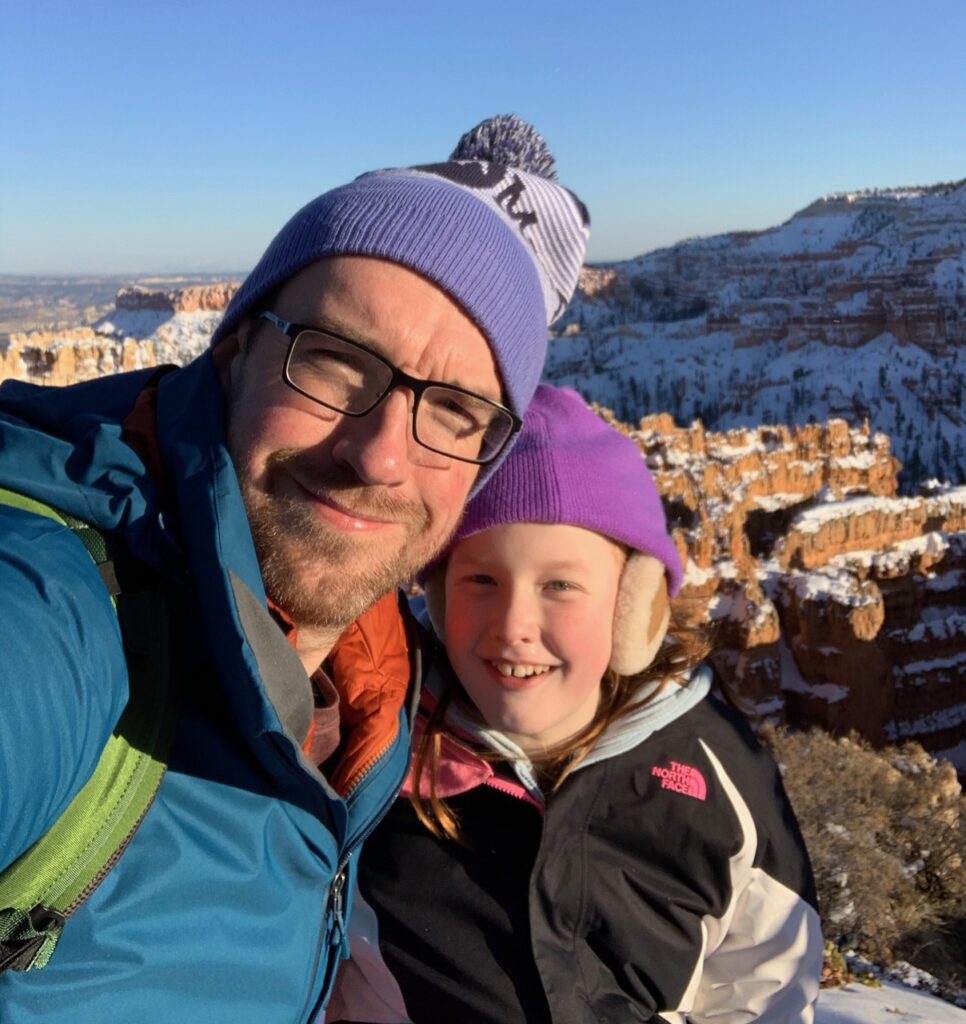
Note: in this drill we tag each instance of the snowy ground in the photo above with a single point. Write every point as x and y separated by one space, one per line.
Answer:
891 1004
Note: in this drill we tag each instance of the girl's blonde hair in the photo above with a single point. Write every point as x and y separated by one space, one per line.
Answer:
685 647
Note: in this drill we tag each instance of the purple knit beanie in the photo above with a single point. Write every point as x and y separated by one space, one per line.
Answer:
491 227
569 466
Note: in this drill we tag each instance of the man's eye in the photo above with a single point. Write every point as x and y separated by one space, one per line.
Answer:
325 359
325 353
457 415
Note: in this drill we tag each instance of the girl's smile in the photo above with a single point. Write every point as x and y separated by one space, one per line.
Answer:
507 669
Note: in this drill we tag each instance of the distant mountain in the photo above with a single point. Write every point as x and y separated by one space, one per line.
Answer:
32 302
853 308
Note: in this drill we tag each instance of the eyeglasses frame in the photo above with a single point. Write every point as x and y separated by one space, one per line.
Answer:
398 378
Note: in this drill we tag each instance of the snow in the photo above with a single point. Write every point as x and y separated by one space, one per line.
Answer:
831 583
694 575
947 502
733 451
935 721
957 661
898 558
890 1004
771 706
935 624
673 457
863 460
789 331
952 580
812 234
792 679
895 385
777 501
176 337
957 755
812 520
948 276
854 304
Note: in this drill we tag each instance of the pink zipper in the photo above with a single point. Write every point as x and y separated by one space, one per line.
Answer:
515 789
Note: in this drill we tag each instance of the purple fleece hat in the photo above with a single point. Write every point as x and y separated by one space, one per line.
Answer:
491 227
568 466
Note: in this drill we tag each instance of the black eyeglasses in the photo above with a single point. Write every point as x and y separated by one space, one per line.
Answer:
351 379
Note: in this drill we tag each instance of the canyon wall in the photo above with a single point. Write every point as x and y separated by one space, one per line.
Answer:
147 327
832 601
854 308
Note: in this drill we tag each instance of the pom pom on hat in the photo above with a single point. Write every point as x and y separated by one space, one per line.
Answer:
508 140
569 466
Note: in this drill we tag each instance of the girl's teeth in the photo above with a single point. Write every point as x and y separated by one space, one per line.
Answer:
519 671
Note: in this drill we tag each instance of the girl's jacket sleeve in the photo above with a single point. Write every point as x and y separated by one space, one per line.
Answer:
763 956
63 679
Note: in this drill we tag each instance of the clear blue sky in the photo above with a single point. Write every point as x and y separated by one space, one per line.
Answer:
141 136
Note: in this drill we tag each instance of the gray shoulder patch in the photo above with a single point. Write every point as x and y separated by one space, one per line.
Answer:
286 684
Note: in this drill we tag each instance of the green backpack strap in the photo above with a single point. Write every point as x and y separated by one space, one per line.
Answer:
46 884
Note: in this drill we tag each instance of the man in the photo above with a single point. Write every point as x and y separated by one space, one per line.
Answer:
370 372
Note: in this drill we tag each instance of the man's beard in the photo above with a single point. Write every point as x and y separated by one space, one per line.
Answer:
319 575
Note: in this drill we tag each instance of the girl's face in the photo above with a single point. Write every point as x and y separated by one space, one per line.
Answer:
529 622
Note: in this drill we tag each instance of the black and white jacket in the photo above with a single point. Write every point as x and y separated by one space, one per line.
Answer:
665 880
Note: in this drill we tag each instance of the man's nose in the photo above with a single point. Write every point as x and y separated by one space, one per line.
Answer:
377 445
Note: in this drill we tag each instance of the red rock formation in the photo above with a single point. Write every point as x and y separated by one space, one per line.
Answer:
68 357
204 297
63 357
604 283
869 525
832 601
177 300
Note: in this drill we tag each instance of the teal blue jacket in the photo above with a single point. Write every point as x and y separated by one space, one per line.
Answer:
227 904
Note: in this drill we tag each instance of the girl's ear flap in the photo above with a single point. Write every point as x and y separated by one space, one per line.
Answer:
642 615
435 590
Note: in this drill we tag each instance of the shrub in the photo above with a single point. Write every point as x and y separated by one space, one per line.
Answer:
886 832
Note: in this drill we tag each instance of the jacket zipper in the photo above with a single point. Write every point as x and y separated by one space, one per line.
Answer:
334 898
334 903
515 790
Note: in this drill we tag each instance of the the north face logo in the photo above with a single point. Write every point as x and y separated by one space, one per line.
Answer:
681 778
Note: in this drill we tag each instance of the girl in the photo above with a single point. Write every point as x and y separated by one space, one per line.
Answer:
587 835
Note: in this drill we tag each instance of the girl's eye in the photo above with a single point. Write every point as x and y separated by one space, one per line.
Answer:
559 586
480 578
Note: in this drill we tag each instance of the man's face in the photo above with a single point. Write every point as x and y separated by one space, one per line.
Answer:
343 509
